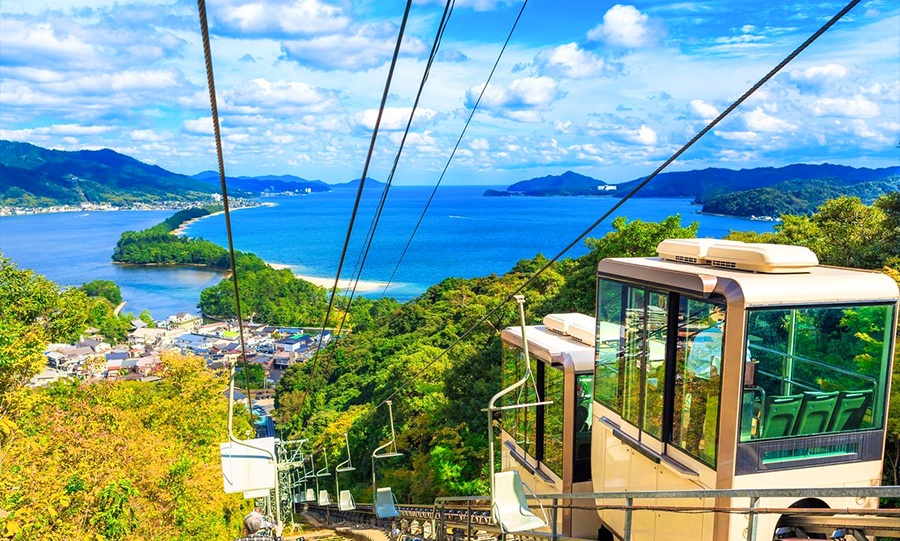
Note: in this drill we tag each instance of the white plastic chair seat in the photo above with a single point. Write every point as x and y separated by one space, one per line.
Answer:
310 495
384 503
510 508
324 498
345 501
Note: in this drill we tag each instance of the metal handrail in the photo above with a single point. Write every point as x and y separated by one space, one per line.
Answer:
816 363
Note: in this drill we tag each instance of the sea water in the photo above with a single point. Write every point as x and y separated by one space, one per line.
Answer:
463 235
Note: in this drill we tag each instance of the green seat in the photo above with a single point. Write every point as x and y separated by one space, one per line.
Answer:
849 411
780 415
815 413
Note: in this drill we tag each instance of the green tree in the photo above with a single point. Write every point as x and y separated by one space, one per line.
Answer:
103 288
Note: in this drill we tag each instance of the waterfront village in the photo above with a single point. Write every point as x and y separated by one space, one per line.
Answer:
272 348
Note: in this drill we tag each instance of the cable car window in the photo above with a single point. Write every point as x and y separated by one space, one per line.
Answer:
620 329
815 370
584 390
520 423
554 385
698 365
657 333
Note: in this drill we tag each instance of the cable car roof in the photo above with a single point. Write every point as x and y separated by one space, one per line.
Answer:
820 285
551 347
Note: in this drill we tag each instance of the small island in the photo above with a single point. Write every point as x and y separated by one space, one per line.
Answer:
566 184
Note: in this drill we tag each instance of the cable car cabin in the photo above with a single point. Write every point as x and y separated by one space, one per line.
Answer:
550 445
730 365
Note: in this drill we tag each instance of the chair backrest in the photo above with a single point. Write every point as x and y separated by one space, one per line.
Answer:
345 501
324 498
850 409
510 507
310 495
384 503
815 413
780 415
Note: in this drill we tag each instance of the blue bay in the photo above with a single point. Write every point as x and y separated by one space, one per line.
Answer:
463 235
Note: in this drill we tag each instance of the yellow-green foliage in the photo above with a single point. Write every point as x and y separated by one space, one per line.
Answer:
125 460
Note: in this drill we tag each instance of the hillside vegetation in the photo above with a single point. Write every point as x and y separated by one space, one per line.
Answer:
35 176
87 461
158 246
441 427
795 197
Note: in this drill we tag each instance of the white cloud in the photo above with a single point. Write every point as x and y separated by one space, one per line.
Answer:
742 136
569 61
861 129
759 120
523 116
39 46
743 38
562 127
394 118
856 107
818 77
702 110
480 144
149 136
201 126
530 92
55 129
368 46
642 136
625 26
279 97
297 17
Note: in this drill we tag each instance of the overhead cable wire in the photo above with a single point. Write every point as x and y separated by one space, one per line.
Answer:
364 252
211 83
359 192
455 147
774 71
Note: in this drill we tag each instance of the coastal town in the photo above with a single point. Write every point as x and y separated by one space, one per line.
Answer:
271 348
214 199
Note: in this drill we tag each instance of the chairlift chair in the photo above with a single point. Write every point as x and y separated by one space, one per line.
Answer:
345 499
385 501
509 505
324 498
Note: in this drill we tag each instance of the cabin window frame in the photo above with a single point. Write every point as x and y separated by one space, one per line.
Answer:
674 298
887 368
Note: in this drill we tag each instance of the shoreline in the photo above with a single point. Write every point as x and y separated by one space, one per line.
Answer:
182 229
365 286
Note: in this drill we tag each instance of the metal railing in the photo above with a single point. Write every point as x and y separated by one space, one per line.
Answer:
753 510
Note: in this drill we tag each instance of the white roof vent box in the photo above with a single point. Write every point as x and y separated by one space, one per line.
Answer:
579 326
731 254
689 250
766 258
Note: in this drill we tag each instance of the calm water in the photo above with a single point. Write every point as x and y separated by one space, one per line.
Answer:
464 235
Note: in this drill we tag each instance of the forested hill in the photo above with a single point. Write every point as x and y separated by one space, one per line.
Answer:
795 197
265 183
568 183
704 184
35 176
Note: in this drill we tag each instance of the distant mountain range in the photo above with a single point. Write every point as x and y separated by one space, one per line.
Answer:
763 191
35 176
266 183
31 176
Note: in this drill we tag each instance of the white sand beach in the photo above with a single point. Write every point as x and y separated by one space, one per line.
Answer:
364 286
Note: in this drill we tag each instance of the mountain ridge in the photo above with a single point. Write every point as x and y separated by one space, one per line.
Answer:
34 176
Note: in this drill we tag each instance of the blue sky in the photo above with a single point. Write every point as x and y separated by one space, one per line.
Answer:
608 90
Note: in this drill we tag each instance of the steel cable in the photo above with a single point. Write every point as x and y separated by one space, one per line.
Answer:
362 181
774 71
210 79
